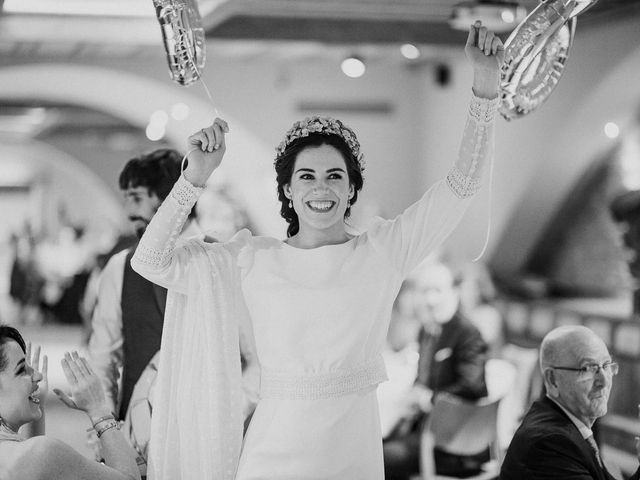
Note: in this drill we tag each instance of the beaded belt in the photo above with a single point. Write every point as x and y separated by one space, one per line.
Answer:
322 385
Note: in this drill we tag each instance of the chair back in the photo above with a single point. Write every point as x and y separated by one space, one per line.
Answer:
500 376
462 427
459 427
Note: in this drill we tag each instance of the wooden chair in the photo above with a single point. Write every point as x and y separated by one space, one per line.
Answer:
463 428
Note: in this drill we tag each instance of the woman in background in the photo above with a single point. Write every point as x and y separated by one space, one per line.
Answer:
23 390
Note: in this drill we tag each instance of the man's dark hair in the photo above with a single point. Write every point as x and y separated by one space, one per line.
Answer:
157 171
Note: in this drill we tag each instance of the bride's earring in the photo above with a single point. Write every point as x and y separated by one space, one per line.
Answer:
290 204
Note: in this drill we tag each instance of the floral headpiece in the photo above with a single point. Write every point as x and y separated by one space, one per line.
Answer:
323 126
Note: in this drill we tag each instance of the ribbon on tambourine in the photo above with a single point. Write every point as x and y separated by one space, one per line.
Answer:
535 55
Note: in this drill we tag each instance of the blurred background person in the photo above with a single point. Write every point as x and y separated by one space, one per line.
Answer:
477 303
220 214
26 282
90 297
452 357
64 261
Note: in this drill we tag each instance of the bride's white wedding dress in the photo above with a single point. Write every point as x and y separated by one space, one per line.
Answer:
319 319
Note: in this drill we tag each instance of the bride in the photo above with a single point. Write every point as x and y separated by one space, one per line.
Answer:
316 305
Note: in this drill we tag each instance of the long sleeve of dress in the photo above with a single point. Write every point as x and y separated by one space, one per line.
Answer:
422 227
157 258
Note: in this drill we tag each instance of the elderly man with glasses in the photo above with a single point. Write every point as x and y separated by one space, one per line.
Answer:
555 438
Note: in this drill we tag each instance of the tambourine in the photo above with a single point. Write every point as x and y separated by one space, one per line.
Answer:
184 38
536 53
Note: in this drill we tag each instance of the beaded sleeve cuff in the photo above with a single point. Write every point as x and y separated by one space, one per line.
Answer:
185 193
483 110
162 233
462 185
150 256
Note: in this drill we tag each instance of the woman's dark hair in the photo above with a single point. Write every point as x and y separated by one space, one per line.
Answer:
8 334
285 164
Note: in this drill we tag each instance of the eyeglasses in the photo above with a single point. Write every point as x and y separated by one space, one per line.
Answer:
592 369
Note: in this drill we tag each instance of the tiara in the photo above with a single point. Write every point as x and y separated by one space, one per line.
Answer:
323 126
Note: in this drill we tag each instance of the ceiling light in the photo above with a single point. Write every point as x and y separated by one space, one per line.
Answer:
611 130
410 51
507 16
159 117
155 131
498 16
353 67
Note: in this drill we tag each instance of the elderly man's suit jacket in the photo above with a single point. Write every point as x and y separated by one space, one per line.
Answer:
547 445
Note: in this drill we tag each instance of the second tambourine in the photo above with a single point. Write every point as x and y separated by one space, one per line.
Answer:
536 53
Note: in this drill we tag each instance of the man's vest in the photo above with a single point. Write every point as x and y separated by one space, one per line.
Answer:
142 305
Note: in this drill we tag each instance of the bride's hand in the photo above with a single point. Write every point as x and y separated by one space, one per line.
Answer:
207 147
485 51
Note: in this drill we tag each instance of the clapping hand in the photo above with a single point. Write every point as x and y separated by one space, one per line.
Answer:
206 149
86 392
33 361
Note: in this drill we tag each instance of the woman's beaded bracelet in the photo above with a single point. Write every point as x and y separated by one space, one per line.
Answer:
102 419
111 424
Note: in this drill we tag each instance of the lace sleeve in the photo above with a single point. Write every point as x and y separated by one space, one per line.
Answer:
464 178
154 256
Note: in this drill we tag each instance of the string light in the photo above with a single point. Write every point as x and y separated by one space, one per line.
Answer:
410 51
157 125
353 67
155 131
611 130
160 117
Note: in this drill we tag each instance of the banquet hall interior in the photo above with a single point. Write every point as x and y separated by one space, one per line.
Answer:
85 86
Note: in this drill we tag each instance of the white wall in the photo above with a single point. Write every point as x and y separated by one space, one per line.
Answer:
540 158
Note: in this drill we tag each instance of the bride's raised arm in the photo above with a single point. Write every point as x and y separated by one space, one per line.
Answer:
156 258
423 226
